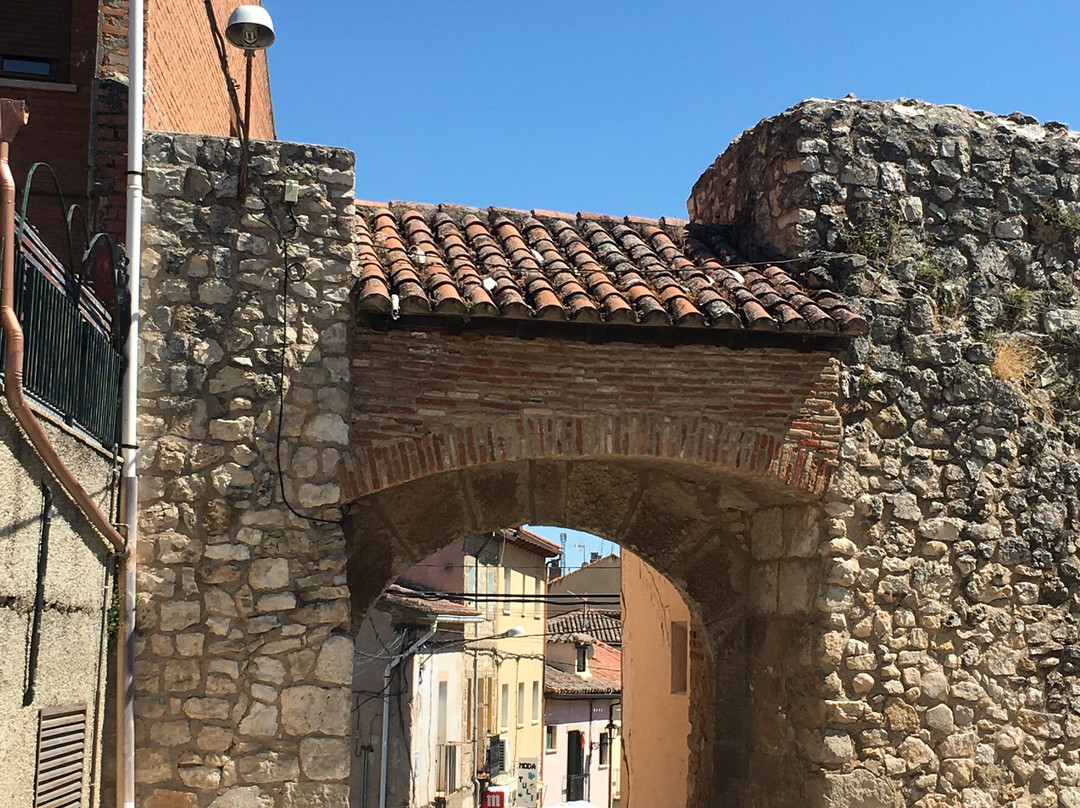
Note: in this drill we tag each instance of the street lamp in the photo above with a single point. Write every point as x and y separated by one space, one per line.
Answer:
250 28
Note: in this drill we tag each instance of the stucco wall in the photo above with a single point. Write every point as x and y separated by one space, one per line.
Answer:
590 717
598 578
71 666
656 721
523 659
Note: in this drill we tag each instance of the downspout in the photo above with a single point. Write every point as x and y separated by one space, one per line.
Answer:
13 114
387 672
129 490
476 680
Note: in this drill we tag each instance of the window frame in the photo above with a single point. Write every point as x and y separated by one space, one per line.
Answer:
551 738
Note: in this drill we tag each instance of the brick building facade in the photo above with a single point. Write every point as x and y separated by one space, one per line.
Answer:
69 62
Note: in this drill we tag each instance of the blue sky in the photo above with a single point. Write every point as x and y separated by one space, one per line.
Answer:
617 107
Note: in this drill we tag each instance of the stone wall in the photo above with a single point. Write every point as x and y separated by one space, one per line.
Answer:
244 657
952 583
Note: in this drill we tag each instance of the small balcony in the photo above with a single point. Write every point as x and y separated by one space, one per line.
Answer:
74 324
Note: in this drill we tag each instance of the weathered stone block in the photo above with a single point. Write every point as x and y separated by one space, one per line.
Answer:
177 616
307 710
243 797
261 721
335 662
269 573
324 758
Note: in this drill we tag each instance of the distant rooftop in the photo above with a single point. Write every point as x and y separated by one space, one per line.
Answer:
597 624
605 679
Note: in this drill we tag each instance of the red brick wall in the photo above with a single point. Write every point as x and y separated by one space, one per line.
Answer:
83 134
59 130
426 402
187 90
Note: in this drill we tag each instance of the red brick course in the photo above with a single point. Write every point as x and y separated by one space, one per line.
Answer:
425 403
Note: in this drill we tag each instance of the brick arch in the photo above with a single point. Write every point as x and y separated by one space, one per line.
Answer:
694 522
787 457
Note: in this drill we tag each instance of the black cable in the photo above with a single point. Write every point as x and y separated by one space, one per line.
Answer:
281 383
223 59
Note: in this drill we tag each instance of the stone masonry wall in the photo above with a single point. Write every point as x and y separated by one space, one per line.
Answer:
243 652
952 582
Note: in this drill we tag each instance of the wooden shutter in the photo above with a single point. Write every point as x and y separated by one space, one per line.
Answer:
61 749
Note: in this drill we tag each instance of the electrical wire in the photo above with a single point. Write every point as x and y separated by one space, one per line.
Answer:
281 374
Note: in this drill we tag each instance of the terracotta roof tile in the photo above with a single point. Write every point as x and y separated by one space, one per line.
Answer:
602 625
413 602
544 265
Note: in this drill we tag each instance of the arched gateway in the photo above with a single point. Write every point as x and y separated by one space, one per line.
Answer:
702 457
629 378
878 535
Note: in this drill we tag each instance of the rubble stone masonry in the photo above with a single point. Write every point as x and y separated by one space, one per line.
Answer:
952 582
244 660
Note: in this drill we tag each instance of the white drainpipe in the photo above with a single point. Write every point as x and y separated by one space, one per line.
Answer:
125 791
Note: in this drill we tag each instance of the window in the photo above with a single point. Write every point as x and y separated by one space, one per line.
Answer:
485 714
470 709
506 590
504 711
549 738
35 42
536 703
605 748
581 662
679 648
61 744
520 704
538 594
496 756
440 721
446 773
491 590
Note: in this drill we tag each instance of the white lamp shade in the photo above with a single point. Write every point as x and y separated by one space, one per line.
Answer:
250 28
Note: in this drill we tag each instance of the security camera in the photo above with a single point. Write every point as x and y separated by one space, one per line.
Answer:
250 28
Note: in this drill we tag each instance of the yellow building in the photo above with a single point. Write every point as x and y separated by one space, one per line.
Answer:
503 576
513 582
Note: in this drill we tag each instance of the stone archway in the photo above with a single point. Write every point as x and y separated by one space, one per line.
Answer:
703 449
730 542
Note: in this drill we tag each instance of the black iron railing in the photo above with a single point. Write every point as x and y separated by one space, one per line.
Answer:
576 786
73 361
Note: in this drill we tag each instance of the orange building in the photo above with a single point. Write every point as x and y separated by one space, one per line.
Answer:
657 659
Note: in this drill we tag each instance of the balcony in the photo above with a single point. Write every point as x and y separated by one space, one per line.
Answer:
74 328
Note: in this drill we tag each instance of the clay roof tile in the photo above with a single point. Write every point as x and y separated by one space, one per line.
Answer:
588 267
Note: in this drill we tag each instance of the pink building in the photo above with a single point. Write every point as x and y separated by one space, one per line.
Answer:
582 691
